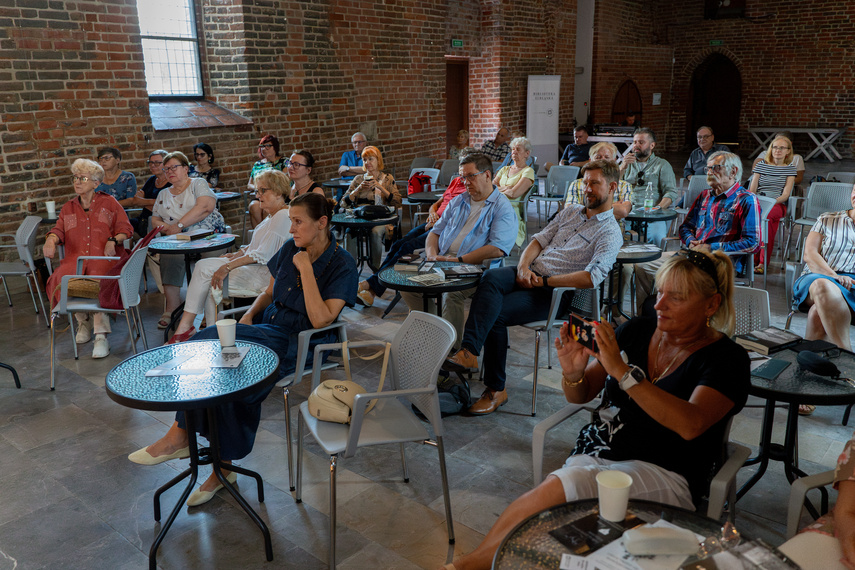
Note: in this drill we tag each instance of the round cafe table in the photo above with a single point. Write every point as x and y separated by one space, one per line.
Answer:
639 219
361 230
128 385
400 281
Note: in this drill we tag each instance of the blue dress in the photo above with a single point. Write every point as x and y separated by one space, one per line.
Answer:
335 272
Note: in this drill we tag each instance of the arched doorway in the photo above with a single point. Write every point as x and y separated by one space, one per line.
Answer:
627 104
715 99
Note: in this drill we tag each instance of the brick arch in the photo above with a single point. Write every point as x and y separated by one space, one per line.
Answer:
689 68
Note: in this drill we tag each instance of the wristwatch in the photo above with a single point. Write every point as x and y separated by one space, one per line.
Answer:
632 377
113 239
180 226
545 281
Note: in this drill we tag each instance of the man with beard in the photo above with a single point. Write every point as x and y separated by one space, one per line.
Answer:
576 249
641 167
725 217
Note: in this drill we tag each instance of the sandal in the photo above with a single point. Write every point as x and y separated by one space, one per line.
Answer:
758 270
164 321
806 409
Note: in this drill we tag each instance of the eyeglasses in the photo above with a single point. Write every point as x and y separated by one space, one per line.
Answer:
714 168
198 154
75 179
294 164
105 157
471 177
261 190
357 143
702 137
265 146
156 163
780 148
172 168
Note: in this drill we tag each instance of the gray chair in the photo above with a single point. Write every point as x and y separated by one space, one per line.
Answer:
432 172
585 303
421 162
722 486
418 351
557 182
821 197
766 205
845 177
798 494
697 184
449 169
129 289
25 243
752 309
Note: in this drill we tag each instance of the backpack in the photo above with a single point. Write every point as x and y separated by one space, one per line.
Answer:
419 182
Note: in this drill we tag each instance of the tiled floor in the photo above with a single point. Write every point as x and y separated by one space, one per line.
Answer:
71 499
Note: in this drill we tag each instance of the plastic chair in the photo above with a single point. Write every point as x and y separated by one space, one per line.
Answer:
821 197
421 162
419 348
845 177
25 243
557 182
129 289
697 184
798 493
722 486
585 303
448 171
752 309
432 172
304 339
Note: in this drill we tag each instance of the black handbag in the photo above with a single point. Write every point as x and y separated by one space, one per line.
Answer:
371 212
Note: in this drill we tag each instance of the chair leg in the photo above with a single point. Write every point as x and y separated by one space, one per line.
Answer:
332 511
41 300
404 463
289 440
537 334
52 351
299 490
141 327
32 296
445 492
131 331
6 288
73 335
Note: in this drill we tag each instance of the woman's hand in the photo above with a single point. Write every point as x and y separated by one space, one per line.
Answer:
609 351
572 355
219 276
246 319
110 249
845 281
302 261
431 220
49 249
170 230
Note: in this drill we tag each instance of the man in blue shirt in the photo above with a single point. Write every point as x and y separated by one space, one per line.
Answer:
351 160
698 159
576 154
478 224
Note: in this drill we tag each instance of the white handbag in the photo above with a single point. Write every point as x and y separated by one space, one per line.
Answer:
332 400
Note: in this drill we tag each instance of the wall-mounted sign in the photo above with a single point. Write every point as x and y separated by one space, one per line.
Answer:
456 43
716 42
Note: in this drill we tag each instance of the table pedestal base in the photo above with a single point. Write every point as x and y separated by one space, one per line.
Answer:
213 458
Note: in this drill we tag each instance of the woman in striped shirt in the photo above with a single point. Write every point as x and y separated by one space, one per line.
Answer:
826 284
774 176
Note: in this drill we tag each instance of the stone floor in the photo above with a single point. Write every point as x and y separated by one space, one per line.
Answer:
71 499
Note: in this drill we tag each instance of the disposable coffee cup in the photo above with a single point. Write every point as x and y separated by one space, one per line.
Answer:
50 205
613 491
226 330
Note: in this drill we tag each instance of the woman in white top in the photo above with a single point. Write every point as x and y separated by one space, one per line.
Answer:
774 176
189 204
515 180
246 268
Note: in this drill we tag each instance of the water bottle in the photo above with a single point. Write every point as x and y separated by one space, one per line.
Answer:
649 198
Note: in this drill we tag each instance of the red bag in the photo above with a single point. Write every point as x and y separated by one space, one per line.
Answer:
419 182
109 295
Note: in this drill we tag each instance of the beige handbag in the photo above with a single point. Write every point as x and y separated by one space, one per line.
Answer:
332 400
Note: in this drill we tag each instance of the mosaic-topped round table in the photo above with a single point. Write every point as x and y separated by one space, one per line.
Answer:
400 281
128 385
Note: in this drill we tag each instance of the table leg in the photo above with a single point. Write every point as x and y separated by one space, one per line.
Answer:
764 453
790 459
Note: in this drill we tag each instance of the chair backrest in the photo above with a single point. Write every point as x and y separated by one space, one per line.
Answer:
449 168
752 309
25 240
130 277
556 178
418 351
496 167
825 197
586 303
697 185
845 177
432 172
766 205
422 162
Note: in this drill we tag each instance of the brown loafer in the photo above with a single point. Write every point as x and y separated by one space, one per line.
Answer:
489 402
461 362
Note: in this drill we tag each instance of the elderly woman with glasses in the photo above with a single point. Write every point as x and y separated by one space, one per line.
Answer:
269 158
670 385
147 195
246 268
515 180
188 204
774 176
118 183
92 223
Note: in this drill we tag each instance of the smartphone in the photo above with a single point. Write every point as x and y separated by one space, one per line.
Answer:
582 332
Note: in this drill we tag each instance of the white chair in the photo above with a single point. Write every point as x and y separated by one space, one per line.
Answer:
129 289
585 303
418 351
722 486
449 170
752 309
798 493
25 243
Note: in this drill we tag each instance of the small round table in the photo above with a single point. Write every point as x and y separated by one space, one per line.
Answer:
338 186
639 219
400 281
227 197
425 197
361 230
623 258
128 385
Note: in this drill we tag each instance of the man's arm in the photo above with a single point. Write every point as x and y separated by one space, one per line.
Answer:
431 246
750 235
484 252
667 185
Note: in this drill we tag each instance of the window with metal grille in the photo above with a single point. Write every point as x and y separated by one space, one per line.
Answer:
170 48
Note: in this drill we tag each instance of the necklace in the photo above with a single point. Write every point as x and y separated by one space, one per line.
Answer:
673 360
300 281
300 190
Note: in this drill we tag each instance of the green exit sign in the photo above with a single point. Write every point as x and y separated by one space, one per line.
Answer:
716 42
456 43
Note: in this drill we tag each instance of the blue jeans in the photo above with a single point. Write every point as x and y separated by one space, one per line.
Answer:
499 303
414 240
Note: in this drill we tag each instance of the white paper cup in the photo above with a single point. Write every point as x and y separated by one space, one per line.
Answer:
51 208
226 330
613 490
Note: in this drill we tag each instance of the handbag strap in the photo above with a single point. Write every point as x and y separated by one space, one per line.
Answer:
345 353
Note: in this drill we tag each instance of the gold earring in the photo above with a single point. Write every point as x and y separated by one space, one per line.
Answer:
708 320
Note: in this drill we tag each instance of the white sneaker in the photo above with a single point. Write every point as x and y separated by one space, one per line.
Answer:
102 347
84 332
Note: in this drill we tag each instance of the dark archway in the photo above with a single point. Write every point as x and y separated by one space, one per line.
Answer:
715 99
627 103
